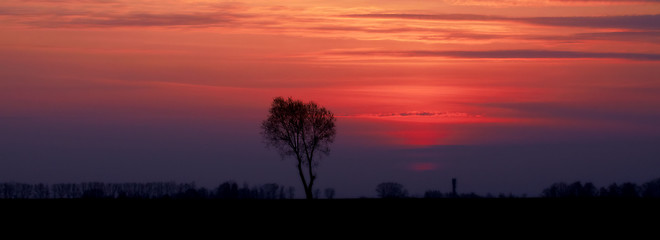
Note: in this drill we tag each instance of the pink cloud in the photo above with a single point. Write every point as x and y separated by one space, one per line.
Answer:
423 166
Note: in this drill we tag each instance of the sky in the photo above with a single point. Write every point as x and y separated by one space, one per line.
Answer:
506 96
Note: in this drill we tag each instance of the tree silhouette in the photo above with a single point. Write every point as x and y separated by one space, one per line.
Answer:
329 193
651 189
227 190
391 190
301 130
433 194
629 190
270 190
573 190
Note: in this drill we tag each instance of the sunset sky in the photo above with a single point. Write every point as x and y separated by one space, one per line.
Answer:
507 96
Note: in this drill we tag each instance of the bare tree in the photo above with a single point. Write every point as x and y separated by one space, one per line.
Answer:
301 130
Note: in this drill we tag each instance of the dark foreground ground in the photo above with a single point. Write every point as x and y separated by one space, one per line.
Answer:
334 206
336 218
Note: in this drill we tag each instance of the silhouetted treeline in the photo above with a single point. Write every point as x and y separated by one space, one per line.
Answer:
394 190
439 194
231 190
153 190
650 189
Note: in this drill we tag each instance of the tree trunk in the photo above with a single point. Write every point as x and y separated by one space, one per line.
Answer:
307 188
308 193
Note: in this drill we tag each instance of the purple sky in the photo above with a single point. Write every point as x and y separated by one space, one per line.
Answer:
507 96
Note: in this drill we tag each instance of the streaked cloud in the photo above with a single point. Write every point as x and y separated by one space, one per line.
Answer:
609 1
506 54
443 17
144 19
428 114
646 22
649 22
109 13
72 1
500 3
639 36
447 34
423 117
